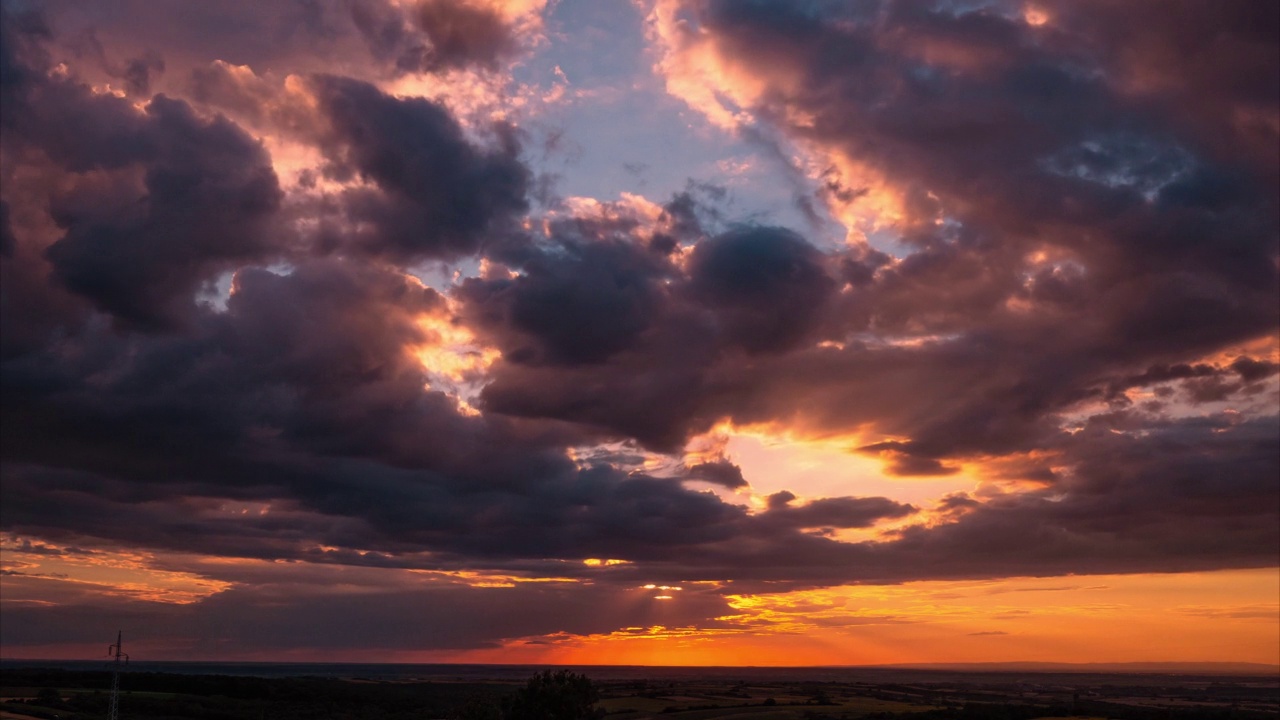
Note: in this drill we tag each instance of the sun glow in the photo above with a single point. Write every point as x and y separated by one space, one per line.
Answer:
1225 615
1035 16
775 458
452 352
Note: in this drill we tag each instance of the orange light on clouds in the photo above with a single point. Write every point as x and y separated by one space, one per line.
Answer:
714 81
452 356
773 459
1035 16
478 579
133 574
860 197
1220 616
695 71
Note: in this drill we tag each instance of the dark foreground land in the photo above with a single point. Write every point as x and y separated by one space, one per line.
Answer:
750 695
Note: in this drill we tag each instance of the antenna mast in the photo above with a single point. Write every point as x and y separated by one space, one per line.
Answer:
118 654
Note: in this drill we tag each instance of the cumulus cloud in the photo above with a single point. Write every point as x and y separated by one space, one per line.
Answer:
437 194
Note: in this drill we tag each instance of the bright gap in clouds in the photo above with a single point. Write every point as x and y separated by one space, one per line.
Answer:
829 468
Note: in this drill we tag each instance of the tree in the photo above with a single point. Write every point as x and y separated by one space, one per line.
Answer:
559 695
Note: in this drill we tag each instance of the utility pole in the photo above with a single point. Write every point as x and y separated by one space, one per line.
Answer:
115 651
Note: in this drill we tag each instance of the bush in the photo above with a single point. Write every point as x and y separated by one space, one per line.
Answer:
559 695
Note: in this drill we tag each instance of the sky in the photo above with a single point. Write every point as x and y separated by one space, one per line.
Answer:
673 332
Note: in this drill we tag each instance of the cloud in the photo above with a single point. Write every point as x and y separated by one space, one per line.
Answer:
375 38
1071 299
903 463
1042 212
836 512
157 201
580 302
439 194
764 286
388 614
435 35
206 204
720 472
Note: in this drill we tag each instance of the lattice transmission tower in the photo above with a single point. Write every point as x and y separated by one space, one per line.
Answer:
118 653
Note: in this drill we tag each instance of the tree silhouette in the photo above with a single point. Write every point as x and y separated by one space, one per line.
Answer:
559 695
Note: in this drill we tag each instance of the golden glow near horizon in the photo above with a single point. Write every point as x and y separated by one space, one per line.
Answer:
1229 615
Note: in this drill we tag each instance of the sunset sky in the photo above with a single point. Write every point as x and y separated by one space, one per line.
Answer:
668 332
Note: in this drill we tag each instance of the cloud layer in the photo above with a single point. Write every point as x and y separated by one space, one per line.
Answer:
221 335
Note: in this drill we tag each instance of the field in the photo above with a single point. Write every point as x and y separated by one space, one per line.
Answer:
756 701
754 695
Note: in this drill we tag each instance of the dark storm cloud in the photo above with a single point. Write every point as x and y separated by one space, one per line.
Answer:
415 183
440 195
720 472
836 512
606 330
764 286
580 302
160 200
301 372
208 196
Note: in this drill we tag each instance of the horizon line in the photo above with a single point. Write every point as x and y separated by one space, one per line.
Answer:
1047 666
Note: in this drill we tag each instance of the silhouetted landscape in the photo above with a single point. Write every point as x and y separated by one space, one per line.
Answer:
638 693
601 347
